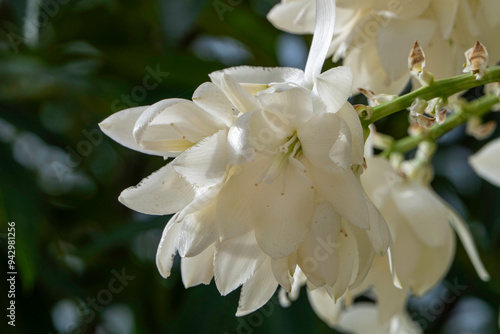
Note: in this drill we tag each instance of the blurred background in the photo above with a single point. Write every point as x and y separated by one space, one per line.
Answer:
85 263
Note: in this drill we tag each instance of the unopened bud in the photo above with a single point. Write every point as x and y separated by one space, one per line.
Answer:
425 121
376 99
435 105
418 107
416 61
416 64
441 115
479 130
477 60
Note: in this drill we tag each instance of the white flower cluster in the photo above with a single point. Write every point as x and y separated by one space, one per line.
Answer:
264 180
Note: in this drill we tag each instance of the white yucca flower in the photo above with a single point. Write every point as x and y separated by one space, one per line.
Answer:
423 241
375 36
264 180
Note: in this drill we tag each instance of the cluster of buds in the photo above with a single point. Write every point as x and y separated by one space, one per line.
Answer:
477 60
424 115
416 64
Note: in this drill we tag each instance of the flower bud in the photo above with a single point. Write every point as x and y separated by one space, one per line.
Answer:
479 130
434 106
425 121
376 99
477 60
441 115
418 107
416 64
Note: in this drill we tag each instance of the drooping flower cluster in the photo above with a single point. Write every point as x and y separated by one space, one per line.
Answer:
264 180
374 36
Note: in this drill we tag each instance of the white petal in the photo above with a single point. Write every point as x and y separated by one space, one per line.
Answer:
390 299
368 72
334 87
235 204
163 192
211 99
365 255
242 100
281 273
204 164
257 290
318 254
402 33
324 306
378 233
296 17
344 192
175 119
446 12
433 265
198 232
259 75
239 144
292 104
255 130
325 142
379 180
406 251
168 247
323 34
199 269
204 197
283 212
120 127
486 162
235 261
442 58
423 210
348 255
362 318
350 116
465 236
490 9
403 8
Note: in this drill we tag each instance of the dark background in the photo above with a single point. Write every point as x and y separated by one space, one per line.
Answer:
60 177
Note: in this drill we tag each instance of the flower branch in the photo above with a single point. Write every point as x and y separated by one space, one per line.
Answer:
475 108
440 88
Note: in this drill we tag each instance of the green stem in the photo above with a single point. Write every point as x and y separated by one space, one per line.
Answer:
476 108
441 88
